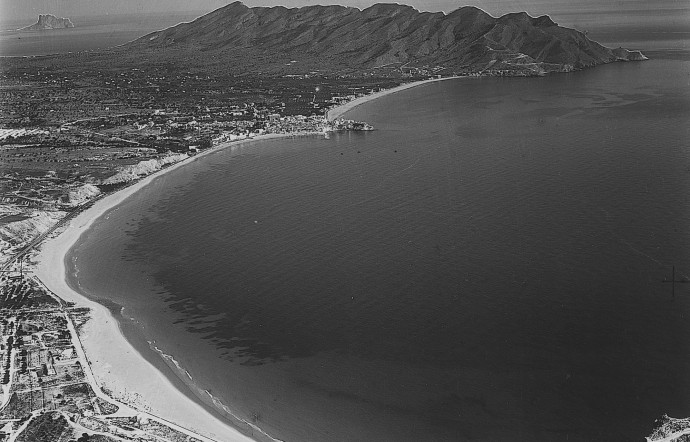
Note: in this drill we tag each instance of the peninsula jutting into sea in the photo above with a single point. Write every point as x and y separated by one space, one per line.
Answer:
333 223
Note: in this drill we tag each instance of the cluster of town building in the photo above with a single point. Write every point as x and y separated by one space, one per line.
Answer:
45 393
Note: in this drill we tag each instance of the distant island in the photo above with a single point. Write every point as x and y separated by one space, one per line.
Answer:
48 21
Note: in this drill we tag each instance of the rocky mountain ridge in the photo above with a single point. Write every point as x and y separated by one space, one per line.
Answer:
467 40
47 22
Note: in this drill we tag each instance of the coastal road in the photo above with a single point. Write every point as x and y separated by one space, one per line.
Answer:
86 366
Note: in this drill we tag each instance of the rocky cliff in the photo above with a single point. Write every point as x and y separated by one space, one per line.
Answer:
133 172
47 21
14 235
331 37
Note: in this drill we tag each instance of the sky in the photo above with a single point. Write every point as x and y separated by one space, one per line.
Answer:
29 9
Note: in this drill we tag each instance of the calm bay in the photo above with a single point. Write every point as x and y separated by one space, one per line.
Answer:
486 265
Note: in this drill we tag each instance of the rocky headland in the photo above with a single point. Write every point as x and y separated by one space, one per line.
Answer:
668 429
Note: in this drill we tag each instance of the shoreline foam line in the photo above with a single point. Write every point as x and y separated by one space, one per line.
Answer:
116 363
339 111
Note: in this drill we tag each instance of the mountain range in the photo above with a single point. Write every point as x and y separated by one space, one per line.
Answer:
331 38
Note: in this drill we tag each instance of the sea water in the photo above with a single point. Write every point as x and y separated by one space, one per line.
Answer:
486 265
90 33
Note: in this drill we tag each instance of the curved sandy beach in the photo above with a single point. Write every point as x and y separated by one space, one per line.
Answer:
339 111
118 366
